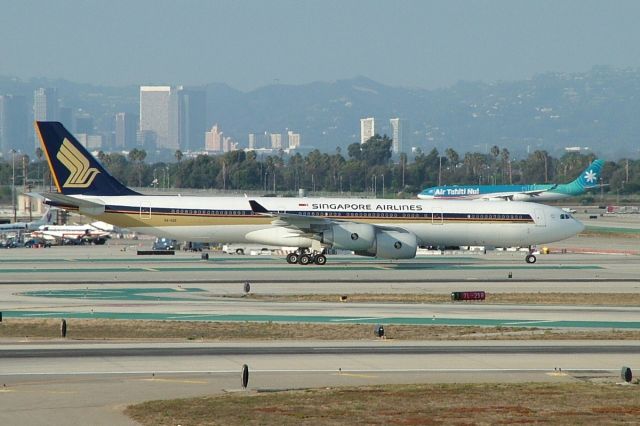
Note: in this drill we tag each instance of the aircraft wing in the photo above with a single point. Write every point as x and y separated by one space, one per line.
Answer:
508 196
306 224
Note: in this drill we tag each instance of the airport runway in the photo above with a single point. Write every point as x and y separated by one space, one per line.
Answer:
71 382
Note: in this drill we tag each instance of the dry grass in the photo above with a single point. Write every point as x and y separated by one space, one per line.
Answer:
102 329
600 299
469 404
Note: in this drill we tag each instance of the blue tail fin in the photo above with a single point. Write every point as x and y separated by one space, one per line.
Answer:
590 177
74 169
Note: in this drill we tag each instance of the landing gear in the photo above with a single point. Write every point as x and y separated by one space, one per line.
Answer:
292 258
304 256
531 258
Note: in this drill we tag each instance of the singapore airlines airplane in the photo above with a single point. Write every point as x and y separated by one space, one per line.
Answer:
386 229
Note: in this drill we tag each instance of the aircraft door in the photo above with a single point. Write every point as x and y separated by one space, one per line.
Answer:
145 210
539 218
436 216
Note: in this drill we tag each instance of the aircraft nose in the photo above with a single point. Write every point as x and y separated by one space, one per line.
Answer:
579 226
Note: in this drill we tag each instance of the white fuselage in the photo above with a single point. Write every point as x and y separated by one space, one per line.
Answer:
434 222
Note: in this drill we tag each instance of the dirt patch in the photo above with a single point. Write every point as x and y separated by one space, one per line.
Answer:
574 403
103 329
597 299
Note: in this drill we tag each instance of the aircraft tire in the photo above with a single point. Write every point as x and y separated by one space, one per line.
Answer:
239 251
530 258
321 259
292 258
305 259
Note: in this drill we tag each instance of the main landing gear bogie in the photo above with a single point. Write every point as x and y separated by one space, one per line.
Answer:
304 257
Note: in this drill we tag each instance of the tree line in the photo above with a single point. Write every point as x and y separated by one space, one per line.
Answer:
366 168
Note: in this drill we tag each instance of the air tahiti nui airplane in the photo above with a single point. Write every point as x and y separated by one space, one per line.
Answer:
588 179
386 229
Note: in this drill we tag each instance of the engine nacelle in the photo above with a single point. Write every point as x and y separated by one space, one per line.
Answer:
350 236
396 245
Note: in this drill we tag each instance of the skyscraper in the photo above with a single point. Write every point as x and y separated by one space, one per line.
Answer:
276 140
367 129
294 140
191 117
158 118
45 106
252 141
14 124
213 139
126 129
399 132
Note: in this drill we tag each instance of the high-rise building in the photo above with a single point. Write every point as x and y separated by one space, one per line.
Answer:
45 106
252 141
213 139
158 117
191 117
126 130
276 140
399 133
367 129
14 124
172 116
294 140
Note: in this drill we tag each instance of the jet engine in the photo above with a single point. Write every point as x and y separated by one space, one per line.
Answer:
367 240
350 236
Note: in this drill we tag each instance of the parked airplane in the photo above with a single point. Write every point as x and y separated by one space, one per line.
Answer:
388 229
588 179
47 218
75 234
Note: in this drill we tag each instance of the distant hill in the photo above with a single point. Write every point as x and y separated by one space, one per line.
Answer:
599 109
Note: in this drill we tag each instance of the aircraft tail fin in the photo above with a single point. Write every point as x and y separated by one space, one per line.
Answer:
74 169
588 179
46 219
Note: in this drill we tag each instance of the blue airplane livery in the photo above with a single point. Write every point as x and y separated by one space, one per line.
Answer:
588 179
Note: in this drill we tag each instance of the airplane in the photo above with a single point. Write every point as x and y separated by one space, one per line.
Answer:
75 234
381 228
588 179
47 218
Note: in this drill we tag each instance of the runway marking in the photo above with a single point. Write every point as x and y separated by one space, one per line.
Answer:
6 390
356 319
191 382
150 269
557 374
361 376
193 316
44 314
527 322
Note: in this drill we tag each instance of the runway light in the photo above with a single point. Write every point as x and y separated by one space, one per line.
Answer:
342 299
247 287
245 376
379 331
63 328
626 374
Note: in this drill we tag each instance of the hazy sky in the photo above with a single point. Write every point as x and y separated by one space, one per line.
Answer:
248 44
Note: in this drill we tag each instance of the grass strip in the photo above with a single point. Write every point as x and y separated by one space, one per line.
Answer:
103 329
570 404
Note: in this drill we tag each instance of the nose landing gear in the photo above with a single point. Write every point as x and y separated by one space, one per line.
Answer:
304 256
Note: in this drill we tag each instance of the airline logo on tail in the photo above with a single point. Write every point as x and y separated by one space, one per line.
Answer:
590 176
80 174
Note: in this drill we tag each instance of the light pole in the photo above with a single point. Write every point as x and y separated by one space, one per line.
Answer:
13 184
382 185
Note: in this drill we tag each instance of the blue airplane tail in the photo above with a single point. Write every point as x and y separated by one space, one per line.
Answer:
74 169
589 178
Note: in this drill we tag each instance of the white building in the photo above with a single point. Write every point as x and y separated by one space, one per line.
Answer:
294 140
399 133
159 116
367 129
